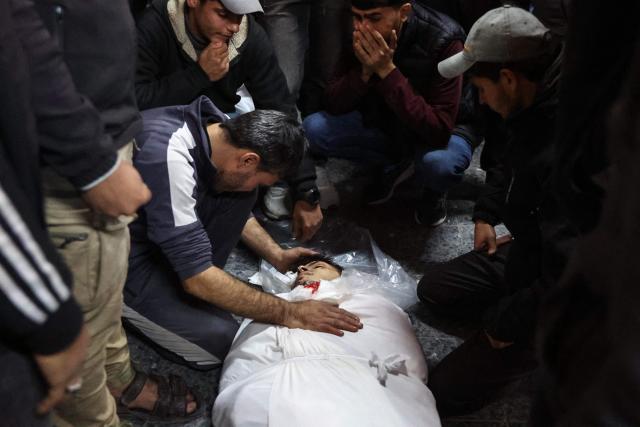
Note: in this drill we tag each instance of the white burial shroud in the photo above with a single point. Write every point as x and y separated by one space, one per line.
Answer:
280 377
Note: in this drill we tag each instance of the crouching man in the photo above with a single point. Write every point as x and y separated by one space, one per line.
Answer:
203 171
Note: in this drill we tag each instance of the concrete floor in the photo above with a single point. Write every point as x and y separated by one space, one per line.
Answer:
393 228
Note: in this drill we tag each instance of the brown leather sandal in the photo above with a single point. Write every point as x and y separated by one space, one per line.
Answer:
171 406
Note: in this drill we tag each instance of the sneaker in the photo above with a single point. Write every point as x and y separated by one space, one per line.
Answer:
432 209
276 203
385 182
328 193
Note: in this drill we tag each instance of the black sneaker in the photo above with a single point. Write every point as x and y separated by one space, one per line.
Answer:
386 181
432 209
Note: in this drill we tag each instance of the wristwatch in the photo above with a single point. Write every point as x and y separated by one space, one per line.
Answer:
311 196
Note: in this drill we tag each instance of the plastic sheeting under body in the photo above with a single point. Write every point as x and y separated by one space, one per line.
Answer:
275 376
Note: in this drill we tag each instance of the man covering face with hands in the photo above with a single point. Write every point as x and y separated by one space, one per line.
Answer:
388 107
375 38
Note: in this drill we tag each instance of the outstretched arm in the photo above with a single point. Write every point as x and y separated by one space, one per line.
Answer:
259 241
219 288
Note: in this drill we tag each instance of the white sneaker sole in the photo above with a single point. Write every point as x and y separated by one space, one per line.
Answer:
433 224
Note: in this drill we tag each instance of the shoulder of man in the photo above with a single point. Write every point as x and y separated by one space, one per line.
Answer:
431 26
155 20
163 124
256 37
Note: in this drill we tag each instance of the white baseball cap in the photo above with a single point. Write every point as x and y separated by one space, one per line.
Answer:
505 34
242 7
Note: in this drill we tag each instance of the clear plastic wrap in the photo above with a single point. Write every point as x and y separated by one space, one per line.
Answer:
366 266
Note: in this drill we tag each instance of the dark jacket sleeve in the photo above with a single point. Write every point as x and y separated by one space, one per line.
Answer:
346 88
152 88
37 309
265 80
431 114
513 318
492 196
305 177
72 137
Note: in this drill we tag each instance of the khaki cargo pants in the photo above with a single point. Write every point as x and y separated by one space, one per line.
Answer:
96 249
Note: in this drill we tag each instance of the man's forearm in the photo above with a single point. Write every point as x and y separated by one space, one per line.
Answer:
259 241
228 293
217 287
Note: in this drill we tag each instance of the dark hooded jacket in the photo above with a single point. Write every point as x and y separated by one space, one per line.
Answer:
97 41
38 315
168 72
518 192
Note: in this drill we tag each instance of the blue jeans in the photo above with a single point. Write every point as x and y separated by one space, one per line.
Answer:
346 137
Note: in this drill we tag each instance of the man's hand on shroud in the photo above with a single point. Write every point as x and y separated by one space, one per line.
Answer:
321 317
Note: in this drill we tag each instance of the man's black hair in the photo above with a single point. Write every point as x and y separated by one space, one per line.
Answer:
372 4
533 69
275 136
315 258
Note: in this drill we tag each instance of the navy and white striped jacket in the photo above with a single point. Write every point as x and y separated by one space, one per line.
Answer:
174 159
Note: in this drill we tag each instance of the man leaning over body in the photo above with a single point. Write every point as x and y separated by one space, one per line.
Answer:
188 48
203 171
509 56
388 106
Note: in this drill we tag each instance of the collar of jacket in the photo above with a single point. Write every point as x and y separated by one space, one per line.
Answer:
546 99
175 10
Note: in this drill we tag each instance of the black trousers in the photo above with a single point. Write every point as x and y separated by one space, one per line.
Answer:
472 374
184 328
21 389
467 285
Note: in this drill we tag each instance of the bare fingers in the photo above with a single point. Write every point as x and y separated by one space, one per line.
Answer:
344 320
394 40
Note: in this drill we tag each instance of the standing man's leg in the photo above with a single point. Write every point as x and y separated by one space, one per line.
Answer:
96 250
437 172
286 23
329 30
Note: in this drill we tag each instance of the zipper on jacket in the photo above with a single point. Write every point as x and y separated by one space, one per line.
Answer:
513 177
58 18
69 238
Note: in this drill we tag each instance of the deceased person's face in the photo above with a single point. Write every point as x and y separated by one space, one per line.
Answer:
315 271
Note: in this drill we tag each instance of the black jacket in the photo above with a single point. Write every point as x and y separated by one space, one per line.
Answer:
518 193
168 73
73 139
97 40
48 321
